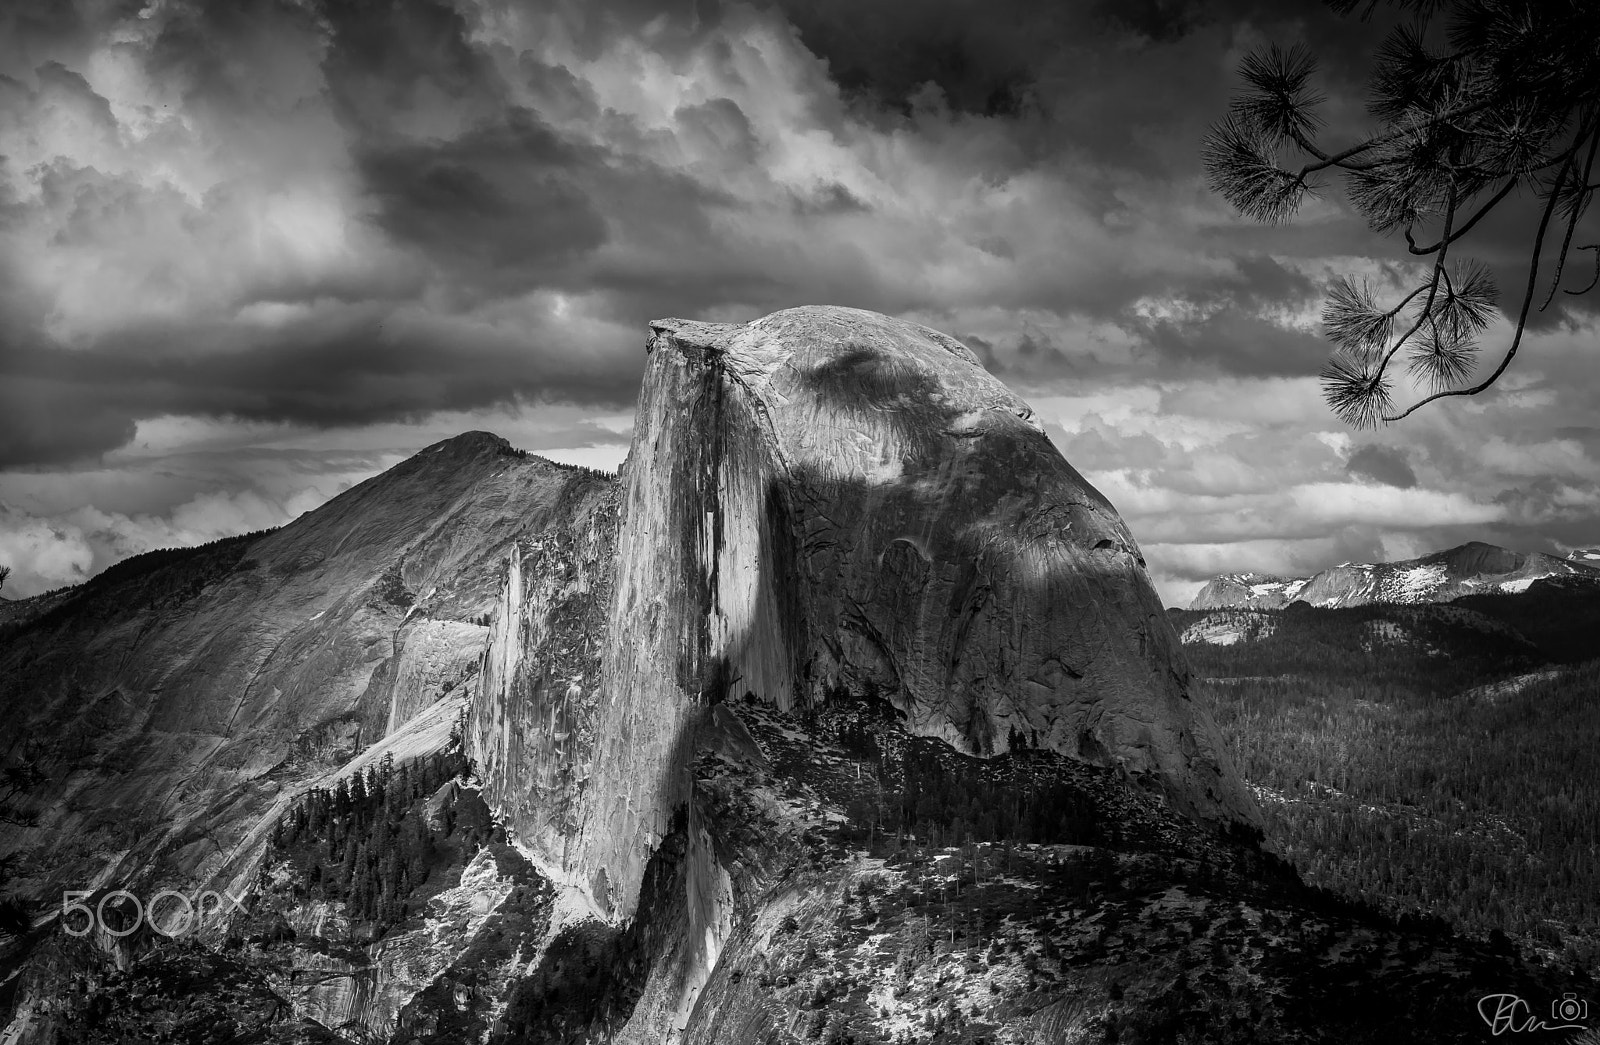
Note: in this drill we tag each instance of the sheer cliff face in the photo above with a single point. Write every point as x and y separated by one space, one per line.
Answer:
880 514
536 711
830 500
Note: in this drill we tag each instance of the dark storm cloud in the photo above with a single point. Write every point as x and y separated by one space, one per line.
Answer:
484 197
1262 282
32 28
1229 340
1155 19
1230 323
505 198
986 60
54 422
885 53
235 58
57 407
625 160
1031 347
1376 463
984 351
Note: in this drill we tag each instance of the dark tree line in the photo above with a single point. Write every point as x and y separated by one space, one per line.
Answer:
959 802
948 799
17 781
364 842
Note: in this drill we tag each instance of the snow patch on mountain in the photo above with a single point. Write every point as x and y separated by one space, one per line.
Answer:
1419 579
1470 569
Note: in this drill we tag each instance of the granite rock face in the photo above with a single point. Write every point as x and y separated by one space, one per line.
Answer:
1255 591
175 709
822 507
873 511
823 501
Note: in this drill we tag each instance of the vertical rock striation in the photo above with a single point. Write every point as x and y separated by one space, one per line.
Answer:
890 518
825 500
534 718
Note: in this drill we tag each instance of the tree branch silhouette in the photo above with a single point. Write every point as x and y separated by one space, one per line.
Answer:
1476 99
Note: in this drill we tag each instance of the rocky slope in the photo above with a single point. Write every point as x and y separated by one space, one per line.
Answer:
177 703
1473 568
172 708
844 620
878 886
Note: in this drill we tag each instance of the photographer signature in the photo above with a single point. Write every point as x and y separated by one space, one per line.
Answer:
1509 1014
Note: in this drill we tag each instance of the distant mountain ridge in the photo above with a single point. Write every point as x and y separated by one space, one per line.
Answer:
1471 569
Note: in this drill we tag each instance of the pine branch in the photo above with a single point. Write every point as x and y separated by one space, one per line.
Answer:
1505 190
1512 97
1577 207
1443 357
1282 103
1432 286
1596 280
1242 166
1522 317
1355 391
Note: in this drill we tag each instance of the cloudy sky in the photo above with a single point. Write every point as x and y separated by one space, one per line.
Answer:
252 252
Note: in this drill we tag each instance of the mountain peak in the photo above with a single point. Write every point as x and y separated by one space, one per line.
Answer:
467 442
1467 569
1480 557
857 511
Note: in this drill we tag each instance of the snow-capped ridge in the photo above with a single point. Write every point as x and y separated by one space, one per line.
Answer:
1469 569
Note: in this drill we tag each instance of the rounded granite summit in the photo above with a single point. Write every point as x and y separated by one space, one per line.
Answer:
876 512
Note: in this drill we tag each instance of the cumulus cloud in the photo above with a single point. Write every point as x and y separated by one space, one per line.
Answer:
182 481
1376 463
336 224
71 547
1270 485
454 200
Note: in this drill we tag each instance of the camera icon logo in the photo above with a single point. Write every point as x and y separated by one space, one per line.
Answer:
1569 1008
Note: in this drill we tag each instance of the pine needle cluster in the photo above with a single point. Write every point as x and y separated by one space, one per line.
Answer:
1476 102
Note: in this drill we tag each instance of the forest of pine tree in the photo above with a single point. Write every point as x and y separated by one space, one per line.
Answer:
1400 777
365 843
945 798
